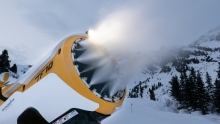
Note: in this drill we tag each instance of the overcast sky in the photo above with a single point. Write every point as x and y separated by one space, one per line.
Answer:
29 29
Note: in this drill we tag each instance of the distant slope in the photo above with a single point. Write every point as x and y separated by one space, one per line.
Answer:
202 55
210 39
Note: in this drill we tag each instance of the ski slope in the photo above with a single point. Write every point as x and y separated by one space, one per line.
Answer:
145 111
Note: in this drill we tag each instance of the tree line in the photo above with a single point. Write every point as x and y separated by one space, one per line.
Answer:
5 63
194 94
138 90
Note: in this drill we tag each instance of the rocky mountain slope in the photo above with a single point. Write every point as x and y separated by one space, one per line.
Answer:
203 55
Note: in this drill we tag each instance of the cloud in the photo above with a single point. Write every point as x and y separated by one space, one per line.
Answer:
39 25
148 25
19 37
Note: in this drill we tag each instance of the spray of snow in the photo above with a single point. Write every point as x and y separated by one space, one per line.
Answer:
123 32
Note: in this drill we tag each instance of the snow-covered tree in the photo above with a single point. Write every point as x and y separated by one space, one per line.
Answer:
218 71
4 61
152 95
201 93
209 87
175 88
217 95
192 95
14 68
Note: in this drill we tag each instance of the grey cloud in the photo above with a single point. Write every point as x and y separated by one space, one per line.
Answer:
168 22
49 22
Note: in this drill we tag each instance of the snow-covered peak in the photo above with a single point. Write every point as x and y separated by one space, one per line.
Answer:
210 39
217 29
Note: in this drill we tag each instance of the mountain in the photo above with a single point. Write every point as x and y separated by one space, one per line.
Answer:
203 55
210 40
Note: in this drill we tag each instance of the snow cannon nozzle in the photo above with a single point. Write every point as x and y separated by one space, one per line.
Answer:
98 70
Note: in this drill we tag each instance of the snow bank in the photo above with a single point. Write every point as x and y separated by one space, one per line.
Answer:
145 111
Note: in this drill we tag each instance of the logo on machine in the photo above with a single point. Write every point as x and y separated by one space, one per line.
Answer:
8 105
66 117
45 70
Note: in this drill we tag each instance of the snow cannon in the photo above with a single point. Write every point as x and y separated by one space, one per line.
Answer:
77 82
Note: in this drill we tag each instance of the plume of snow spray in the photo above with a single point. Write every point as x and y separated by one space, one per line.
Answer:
123 32
117 33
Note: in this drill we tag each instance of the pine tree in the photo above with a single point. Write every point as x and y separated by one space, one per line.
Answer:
152 95
187 90
4 62
141 89
218 71
14 68
217 95
175 88
209 87
192 89
201 92
182 90
188 94
129 94
193 74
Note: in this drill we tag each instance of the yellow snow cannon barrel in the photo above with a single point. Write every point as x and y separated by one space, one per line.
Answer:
75 74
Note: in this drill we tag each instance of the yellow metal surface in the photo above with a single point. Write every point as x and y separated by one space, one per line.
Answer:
5 78
1 83
62 65
3 90
1 102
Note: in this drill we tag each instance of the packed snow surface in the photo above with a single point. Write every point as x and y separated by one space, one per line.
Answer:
145 111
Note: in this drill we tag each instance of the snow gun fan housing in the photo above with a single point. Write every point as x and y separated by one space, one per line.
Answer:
77 82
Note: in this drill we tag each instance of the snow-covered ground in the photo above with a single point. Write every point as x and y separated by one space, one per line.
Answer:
145 111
